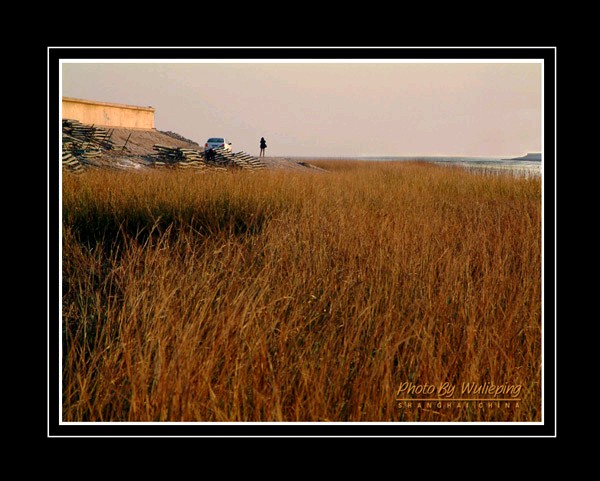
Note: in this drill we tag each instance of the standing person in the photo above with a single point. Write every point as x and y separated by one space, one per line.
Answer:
263 146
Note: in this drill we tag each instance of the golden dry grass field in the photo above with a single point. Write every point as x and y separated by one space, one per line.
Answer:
282 296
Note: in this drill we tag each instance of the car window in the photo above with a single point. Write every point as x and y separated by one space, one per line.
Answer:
216 139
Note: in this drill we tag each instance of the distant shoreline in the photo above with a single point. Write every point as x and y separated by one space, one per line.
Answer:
431 158
532 156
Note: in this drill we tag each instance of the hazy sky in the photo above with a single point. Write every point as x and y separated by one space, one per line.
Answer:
329 108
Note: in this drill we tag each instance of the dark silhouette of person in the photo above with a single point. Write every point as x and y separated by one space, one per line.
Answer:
263 146
210 155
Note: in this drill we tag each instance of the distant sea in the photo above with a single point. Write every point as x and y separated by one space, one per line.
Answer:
488 164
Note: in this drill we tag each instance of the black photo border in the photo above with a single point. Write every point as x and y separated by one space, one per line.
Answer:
548 428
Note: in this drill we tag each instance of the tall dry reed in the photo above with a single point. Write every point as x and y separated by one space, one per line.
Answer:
299 297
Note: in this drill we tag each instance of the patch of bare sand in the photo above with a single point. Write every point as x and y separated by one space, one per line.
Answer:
140 142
